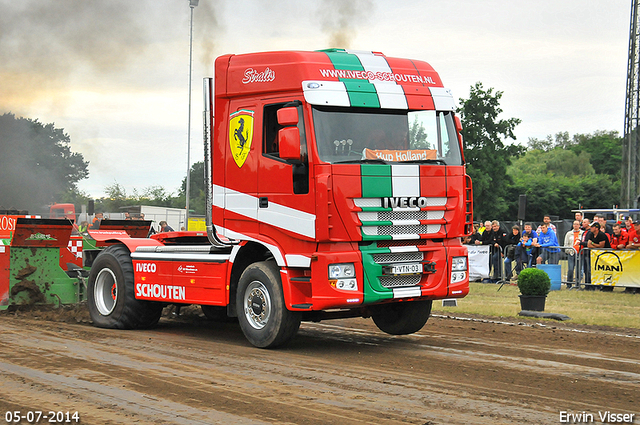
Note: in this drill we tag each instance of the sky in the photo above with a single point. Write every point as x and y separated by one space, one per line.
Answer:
114 74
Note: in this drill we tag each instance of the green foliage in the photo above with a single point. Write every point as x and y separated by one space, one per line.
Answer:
534 282
486 153
418 135
38 167
562 174
605 148
196 190
117 198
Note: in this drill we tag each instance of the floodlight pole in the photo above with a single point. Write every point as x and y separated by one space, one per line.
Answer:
192 5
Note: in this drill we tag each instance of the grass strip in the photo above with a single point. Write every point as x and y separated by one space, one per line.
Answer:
617 308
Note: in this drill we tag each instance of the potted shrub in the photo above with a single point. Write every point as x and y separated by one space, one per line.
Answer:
534 286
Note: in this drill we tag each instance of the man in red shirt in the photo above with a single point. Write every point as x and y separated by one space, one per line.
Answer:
619 239
634 236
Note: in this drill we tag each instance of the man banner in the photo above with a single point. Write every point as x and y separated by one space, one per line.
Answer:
615 268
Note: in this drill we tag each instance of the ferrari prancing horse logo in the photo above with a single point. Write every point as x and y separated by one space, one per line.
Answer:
240 135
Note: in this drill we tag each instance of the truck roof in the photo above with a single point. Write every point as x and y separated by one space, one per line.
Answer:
335 77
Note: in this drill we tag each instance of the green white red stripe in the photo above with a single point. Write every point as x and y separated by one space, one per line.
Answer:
367 80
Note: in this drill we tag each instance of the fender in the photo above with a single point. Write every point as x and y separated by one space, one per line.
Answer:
282 259
110 237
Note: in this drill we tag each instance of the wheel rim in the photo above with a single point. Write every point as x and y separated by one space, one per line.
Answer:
257 305
106 291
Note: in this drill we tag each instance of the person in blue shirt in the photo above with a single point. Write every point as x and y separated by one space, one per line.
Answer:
524 250
548 244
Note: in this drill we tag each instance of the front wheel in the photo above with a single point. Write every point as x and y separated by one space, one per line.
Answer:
401 318
110 293
262 313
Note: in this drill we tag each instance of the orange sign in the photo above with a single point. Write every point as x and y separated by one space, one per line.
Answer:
400 155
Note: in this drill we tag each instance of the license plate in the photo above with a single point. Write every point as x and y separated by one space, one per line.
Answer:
409 268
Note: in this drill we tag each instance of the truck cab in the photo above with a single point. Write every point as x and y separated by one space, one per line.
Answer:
342 159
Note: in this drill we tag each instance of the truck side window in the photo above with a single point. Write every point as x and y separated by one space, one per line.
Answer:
270 144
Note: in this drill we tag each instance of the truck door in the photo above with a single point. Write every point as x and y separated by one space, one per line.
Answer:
241 162
286 198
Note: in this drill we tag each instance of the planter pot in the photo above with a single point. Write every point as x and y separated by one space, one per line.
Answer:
532 302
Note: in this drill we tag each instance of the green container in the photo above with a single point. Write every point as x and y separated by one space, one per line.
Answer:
35 277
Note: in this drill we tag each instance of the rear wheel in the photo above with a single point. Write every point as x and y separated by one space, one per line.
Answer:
401 318
110 293
263 316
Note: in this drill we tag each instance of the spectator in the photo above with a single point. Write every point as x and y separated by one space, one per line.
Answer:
496 240
528 228
95 224
546 219
510 243
628 223
164 227
484 233
634 236
620 238
604 226
579 217
84 226
584 251
533 236
475 236
572 239
548 244
127 216
596 239
524 250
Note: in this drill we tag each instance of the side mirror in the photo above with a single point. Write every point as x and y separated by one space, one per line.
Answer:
289 142
458 132
288 116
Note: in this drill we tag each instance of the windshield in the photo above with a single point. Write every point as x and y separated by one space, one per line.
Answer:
379 135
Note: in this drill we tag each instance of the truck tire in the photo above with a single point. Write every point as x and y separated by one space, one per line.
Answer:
401 318
110 294
262 313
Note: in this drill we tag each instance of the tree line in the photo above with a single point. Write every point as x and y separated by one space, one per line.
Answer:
558 174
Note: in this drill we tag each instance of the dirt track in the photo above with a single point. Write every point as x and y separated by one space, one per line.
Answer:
192 371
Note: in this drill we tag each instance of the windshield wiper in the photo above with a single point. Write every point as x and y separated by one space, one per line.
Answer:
361 161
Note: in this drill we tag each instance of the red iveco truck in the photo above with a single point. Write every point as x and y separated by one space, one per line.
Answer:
337 188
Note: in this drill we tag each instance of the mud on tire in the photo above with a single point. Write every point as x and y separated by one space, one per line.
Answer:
110 293
401 318
262 313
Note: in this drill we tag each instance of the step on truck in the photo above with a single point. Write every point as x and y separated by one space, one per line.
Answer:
336 188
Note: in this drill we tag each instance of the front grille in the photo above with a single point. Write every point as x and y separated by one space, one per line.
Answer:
400 257
401 230
400 223
400 215
377 202
398 281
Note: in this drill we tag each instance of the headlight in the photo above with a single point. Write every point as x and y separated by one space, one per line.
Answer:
458 264
343 276
341 270
458 277
347 284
